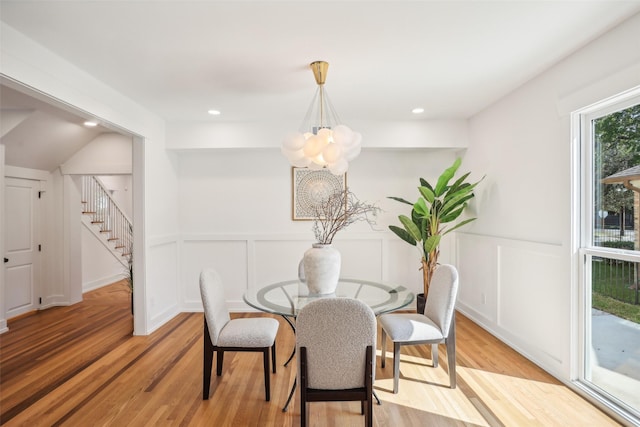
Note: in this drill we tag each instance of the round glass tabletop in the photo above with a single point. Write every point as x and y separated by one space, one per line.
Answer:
287 298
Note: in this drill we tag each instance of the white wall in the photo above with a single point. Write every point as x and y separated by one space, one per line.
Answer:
375 135
99 266
120 188
517 262
107 153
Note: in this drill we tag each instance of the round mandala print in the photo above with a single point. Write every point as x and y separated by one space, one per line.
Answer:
314 187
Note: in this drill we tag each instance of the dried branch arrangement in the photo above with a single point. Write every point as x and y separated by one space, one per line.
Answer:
338 211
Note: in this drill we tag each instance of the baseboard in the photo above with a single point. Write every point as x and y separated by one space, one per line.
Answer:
99 283
161 318
23 315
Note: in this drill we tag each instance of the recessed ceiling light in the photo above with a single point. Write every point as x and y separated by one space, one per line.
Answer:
214 112
90 124
417 110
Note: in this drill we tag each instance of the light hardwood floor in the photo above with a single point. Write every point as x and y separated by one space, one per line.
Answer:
80 366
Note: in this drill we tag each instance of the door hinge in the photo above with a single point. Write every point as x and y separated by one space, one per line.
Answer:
39 194
40 300
39 248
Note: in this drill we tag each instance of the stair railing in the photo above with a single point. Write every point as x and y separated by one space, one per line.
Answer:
105 213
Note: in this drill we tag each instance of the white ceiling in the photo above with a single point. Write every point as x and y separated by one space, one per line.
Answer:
249 59
38 135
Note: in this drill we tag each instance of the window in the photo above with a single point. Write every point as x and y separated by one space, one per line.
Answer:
610 252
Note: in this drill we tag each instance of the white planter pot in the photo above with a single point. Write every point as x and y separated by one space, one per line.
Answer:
321 265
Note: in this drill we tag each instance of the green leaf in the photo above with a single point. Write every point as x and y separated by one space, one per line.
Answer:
459 186
455 203
436 208
416 218
460 224
446 176
452 216
402 233
459 182
427 193
410 227
421 208
432 243
424 228
464 193
400 199
425 183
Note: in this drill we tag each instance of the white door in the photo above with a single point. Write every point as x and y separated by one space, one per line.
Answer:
21 246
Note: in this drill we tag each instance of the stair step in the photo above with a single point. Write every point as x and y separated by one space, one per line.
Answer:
97 222
119 247
126 254
105 231
111 239
88 213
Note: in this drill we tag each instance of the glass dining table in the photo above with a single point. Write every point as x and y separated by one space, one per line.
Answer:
288 297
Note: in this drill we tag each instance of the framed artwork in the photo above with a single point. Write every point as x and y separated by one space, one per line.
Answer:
311 187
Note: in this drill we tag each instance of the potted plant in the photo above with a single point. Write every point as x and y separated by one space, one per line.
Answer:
320 266
128 277
433 215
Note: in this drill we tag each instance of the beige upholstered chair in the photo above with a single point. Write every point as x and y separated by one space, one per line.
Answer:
335 343
436 325
221 333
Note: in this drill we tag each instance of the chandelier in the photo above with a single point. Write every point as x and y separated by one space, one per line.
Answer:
322 142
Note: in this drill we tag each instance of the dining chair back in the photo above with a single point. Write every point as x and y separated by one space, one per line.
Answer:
335 343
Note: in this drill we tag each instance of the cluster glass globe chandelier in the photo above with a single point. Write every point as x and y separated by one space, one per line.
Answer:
322 142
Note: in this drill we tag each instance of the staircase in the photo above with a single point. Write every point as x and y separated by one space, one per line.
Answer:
106 219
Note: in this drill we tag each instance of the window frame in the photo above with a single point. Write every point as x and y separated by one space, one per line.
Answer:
583 210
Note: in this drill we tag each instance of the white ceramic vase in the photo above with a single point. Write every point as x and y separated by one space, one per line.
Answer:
321 264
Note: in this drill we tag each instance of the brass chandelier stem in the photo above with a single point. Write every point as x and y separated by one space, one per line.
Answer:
319 69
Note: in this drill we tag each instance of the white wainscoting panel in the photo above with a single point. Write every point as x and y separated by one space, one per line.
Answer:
477 270
533 298
520 291
162 289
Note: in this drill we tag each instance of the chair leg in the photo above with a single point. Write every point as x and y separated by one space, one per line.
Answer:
384 348
304 419
219 361
434 355
368 411
207 363
303 387
396 366
267 384
273 356
451 354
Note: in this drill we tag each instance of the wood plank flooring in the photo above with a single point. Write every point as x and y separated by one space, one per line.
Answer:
80 366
